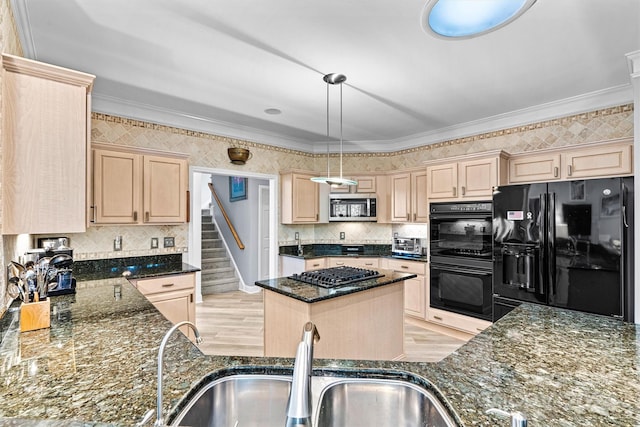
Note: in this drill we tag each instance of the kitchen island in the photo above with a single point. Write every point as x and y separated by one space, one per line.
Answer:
96 366
361 320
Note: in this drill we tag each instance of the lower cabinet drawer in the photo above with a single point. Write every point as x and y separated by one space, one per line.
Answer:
457 321
414 267
165 284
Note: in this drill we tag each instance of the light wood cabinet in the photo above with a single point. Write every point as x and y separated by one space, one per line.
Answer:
416 290
589 161
173 296
471 177
457 321
299 198
409 197
531 168
131 187
366 184
46 113
361 262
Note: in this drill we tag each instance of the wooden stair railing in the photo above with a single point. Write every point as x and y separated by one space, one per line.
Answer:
226 217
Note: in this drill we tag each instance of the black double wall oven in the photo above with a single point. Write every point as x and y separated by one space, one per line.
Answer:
461 258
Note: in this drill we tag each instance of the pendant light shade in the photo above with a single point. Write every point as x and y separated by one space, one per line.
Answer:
334 79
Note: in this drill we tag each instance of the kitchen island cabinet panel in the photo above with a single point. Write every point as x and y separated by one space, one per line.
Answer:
46 122
363 325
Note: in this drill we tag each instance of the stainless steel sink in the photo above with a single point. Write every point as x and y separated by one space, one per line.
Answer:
238 400
261 400
381 403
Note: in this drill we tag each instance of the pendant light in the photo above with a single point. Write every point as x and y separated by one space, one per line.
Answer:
334 79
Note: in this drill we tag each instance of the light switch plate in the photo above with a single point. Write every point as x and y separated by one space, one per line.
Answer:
169 242
117 243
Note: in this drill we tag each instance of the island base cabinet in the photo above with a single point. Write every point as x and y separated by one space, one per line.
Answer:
173 296
365 325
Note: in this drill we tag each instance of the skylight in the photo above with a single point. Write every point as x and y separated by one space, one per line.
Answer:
463 19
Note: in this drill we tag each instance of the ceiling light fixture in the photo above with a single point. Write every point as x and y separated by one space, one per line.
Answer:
334 79
464 19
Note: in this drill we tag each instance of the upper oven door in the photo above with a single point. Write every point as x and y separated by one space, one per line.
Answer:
461 235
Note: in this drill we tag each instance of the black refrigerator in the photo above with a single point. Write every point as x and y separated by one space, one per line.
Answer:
566 244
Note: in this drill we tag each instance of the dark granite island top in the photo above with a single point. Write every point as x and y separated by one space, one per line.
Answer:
96 366
311 293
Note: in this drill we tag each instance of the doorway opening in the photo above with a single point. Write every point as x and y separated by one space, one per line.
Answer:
259 259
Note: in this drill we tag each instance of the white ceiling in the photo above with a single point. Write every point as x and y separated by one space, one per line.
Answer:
216 65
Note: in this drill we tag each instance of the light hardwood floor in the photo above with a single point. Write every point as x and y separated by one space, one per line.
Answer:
231 323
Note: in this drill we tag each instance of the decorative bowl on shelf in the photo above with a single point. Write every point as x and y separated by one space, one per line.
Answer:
239 156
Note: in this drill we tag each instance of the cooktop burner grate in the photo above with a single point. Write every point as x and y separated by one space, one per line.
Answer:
336 276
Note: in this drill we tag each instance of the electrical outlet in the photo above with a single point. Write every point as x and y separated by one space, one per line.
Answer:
169 242
117 243
297 236
154 243
342 235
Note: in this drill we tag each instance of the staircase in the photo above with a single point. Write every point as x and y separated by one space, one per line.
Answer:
218 274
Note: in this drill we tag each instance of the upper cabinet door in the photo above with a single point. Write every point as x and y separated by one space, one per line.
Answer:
532 168
299 199
117 182
442 181
419 201
165 189
45 121
400 197
608 160
478 177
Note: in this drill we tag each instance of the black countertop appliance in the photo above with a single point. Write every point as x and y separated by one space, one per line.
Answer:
565 244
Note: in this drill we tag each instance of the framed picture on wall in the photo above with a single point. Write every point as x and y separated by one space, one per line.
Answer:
237 188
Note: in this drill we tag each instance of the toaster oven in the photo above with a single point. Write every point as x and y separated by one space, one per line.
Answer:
409 246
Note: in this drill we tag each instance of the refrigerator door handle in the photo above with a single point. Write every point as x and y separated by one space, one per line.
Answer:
550 244
624 217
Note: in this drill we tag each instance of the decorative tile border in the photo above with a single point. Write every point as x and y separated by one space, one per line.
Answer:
561 121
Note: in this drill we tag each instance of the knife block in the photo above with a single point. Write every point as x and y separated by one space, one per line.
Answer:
35 315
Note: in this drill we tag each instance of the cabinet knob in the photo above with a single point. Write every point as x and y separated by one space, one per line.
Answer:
569 170
438 318
167 285
146 216
135 215
463 190
454 191
555 171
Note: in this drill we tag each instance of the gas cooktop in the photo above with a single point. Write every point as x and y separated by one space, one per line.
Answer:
336 276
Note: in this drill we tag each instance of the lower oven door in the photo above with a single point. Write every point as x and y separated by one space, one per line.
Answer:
461 289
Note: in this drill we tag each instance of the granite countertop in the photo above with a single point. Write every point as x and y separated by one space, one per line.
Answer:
96 366
312 293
